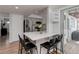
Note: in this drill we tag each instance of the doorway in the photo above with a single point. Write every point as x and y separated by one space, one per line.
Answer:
4 31
71 22
70 17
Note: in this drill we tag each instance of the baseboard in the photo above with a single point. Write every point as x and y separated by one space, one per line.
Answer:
13 41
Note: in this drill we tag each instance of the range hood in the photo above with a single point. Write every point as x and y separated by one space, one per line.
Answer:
35 16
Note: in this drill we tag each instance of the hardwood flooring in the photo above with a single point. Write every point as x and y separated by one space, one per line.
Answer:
11 48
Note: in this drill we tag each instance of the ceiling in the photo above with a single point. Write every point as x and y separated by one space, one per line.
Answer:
58 6
24 9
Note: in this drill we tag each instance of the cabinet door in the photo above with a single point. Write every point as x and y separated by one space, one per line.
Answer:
55 22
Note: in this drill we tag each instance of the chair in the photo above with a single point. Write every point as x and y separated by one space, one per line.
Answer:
28 47
51 44
59 40
25 40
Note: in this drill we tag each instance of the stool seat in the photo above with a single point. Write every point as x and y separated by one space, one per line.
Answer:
47 45
30 46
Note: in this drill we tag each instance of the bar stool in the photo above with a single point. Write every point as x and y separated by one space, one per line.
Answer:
59 40
51 44
28 47
25 40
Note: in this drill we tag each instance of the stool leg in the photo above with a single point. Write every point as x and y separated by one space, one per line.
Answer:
31 51
56 49
48 51
21 49
62 46
40 49
36 50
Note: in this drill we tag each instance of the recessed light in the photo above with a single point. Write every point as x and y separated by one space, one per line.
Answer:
17 7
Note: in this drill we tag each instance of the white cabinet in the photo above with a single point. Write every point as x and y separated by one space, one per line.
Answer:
53 22
56 15
56 21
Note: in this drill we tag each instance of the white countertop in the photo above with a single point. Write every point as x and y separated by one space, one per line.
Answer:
38 36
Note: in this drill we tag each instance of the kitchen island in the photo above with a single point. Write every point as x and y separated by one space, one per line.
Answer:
38 38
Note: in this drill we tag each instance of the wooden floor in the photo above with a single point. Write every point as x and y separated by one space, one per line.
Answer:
11 48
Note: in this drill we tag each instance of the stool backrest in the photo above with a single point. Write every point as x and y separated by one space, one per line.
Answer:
55 37
22 42
60 37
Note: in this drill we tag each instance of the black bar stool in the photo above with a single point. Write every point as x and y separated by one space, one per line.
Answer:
51 44
25 40
59 40
28 47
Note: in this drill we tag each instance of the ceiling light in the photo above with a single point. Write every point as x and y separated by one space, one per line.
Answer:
17 7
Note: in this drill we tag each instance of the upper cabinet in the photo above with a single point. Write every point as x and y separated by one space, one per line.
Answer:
56 21
56 16
53 21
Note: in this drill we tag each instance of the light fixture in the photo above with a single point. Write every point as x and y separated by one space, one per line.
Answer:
17 7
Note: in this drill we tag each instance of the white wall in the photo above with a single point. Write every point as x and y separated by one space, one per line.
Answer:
16 26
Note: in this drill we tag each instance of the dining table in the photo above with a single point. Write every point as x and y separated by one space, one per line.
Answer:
38 38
